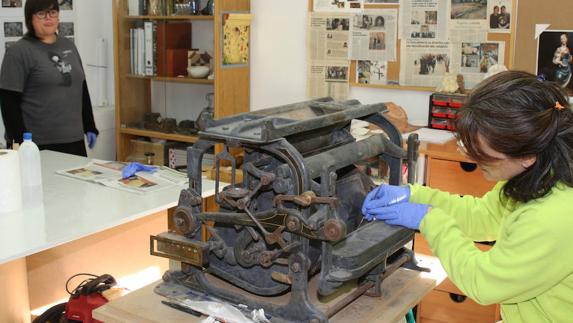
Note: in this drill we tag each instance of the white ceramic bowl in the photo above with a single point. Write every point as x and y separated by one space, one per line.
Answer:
198 72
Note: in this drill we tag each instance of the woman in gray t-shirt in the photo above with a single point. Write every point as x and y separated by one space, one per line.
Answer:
43 88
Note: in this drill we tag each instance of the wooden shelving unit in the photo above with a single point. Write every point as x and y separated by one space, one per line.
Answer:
133 93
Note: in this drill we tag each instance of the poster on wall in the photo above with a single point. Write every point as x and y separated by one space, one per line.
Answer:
12 30
66 29
236 31
66 5
554 57
12 8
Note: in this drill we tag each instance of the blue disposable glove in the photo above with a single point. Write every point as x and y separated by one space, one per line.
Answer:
406 214
132 168
385 195
92 138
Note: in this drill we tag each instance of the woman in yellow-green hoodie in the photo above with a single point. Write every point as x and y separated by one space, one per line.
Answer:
519 131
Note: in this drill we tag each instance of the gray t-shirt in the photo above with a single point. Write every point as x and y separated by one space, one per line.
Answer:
50 78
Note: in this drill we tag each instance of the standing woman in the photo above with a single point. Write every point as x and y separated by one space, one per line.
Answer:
519 131
43 88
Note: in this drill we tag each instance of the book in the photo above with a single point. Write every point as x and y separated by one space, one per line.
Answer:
171 36
148 27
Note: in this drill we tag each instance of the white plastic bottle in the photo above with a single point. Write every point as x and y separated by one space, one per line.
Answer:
31 173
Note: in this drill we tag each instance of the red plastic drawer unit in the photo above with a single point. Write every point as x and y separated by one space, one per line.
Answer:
443 109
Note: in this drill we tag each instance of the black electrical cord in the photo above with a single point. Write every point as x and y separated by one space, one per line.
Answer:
78 288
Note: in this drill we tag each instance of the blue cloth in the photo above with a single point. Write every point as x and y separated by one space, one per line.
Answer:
385 195
405 214
92 138
132 168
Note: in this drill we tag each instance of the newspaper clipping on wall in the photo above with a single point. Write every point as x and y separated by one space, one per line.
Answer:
424 19
328 78
424 63
328 45
474 59
371 72
329 36
499 16
338 5
373 35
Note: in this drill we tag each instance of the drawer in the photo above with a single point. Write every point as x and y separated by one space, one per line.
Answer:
456 177
439 306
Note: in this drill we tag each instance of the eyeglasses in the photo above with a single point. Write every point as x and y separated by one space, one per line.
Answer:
47 13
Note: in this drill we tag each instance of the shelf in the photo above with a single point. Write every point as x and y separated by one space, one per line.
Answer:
187 17
171 79
157 134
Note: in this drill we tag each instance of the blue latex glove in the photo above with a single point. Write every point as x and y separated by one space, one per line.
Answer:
132 168
92 138
385 195
406 214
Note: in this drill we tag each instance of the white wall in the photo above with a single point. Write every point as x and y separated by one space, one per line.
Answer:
278 57
278 63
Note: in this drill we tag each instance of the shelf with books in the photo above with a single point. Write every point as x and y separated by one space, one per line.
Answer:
152 78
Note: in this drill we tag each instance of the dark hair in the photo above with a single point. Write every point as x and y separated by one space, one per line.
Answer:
34 6
521 116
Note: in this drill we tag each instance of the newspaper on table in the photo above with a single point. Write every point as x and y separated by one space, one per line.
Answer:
373 35
108 173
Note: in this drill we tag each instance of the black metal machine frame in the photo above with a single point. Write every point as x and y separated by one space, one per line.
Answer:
294 215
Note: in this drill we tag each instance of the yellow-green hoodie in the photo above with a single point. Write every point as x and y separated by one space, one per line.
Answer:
529 270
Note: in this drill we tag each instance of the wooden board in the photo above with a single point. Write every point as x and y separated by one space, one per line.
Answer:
400 292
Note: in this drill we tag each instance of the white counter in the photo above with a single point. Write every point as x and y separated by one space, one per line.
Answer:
74 209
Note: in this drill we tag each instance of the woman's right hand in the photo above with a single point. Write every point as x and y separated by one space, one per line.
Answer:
385 195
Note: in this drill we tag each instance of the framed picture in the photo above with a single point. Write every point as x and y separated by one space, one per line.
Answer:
554 57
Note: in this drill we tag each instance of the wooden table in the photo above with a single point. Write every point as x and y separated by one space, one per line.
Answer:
400 292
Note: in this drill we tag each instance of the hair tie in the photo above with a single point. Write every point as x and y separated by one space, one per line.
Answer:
558 106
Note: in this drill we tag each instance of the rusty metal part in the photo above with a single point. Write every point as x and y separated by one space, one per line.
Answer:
305 199
177 247
334 229
280 277
292 223
183 221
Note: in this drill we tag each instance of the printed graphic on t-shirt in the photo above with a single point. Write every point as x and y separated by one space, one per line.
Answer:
63 66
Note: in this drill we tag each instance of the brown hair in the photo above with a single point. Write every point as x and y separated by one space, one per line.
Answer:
518 115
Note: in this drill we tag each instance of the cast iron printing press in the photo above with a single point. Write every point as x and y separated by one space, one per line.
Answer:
295 216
